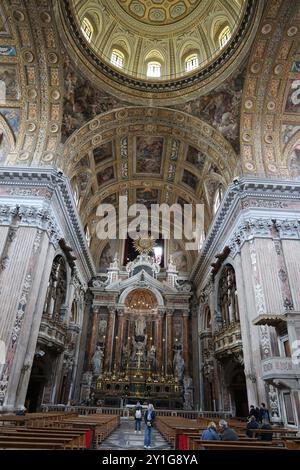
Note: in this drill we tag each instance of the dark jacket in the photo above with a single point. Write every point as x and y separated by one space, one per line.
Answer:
251 425
229 435
152 420
210 435
264 414
266 436
254 412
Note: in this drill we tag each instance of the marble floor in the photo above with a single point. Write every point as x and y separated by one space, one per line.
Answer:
124 438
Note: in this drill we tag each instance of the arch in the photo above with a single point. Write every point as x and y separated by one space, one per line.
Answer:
153 290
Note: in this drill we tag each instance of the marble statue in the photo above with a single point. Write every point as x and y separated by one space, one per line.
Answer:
152 357
97 360
178 364
140 326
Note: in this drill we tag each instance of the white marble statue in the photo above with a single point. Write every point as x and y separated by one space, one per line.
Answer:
97 360
140 326
178 364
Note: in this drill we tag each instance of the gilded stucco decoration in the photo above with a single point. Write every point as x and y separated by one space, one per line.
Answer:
270 108
30 62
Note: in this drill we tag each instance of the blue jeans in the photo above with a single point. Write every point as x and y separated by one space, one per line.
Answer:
137 424
147 438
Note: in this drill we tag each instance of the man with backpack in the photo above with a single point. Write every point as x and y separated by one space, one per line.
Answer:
138 417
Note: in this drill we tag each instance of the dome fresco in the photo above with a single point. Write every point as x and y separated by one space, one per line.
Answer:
160 41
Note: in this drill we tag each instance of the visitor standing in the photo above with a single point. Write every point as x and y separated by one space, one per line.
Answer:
137 418
149 423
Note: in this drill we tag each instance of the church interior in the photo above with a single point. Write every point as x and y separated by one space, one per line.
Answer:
155 102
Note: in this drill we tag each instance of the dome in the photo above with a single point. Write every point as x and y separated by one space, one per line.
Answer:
156 48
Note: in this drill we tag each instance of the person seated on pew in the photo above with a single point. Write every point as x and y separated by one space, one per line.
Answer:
210 434
266 436
226 433
252 424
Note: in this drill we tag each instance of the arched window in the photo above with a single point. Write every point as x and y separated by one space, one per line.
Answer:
225 36
154 69
87 29
76 194
117 58
191 62
218 198
87 235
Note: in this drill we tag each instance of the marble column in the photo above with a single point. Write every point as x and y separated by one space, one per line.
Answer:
119 340
109 340
94 334
22 306
169 341
159 342
185 335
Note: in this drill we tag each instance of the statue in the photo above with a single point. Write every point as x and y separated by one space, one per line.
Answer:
140 326
139 348
97 360
152 357
178 364
273 400
188 392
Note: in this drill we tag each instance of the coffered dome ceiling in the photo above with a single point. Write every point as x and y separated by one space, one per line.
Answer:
167 33
160 11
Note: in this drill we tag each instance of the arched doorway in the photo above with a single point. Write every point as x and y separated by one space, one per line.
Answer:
238 392
36 385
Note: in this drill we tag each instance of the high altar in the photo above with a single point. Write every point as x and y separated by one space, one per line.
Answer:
140 336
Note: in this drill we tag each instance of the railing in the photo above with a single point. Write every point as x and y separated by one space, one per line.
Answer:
126 412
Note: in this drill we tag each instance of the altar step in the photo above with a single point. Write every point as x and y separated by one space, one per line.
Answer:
124 438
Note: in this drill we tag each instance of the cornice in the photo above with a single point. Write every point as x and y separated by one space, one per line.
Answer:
272 193
61 205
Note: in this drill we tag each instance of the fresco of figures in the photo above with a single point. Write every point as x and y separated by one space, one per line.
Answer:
195 157
293 98
8 77
190 179
295 162
221 108
82 101
178 255
4 145
106 175
108 254
149 152
103 152
12 117
147 196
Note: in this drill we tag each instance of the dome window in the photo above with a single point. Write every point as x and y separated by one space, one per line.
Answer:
224 36
191 63
154 69
87 235
87 29
117 58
